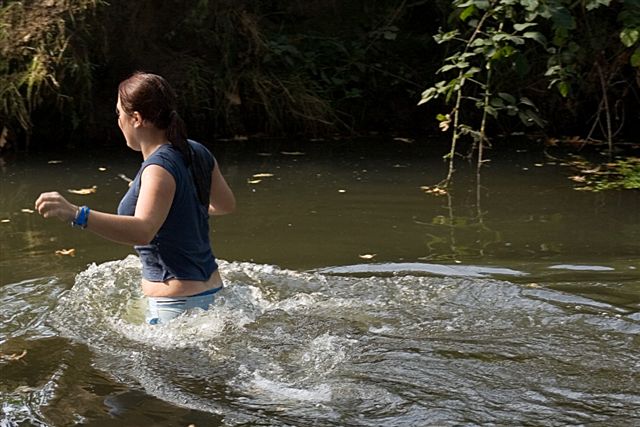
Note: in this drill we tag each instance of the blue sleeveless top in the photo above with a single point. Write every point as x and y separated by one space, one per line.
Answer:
181 249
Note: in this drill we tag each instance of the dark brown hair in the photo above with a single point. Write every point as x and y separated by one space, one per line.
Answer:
152 97
155 100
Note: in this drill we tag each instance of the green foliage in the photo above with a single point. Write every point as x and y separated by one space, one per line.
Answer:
38 59
494 42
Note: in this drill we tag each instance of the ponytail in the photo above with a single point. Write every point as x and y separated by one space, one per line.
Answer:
177 135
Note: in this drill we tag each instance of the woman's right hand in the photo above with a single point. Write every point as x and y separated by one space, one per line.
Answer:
53 205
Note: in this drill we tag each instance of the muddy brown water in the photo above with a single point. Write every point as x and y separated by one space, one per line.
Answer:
352 298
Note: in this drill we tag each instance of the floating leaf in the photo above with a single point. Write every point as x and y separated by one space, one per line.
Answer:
13 356
407 140
367 256
84 191
70 252
435 190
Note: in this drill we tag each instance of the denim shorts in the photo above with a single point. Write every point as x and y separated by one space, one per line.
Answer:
163 309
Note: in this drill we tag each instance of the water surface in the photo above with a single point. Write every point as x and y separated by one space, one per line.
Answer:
352 297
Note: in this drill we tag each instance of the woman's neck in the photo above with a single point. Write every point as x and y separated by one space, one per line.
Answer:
151 141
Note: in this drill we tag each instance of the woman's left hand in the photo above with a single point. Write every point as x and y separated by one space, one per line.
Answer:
53 205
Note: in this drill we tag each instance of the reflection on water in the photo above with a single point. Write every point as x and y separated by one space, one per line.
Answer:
286 347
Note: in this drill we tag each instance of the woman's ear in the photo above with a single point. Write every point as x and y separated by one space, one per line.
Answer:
137 119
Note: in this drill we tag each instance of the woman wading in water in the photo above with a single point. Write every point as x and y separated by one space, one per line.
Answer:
165 213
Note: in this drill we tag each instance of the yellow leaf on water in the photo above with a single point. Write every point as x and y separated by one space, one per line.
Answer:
13 356
435 190
262 175
70 252
367 256
84 191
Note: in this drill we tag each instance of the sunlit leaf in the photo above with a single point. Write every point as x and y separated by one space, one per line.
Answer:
520 27
629 36
594 4
84 191
13 356
66 252
434 190
467 12
534 35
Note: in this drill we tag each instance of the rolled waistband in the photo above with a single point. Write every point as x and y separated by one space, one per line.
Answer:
208 292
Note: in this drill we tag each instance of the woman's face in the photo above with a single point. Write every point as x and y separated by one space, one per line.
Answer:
126 124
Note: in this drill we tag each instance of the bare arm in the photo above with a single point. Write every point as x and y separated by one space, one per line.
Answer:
157 190
221 200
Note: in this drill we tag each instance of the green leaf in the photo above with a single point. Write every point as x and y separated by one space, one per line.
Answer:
594 4
534 35
629 36
428 95
507 97
446 68
445 37
526 101
562 18
520 27
635 58
497 102
564 88
467 12
490 110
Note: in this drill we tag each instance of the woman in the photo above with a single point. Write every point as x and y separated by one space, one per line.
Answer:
165 212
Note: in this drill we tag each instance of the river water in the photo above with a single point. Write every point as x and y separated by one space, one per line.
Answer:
352 297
